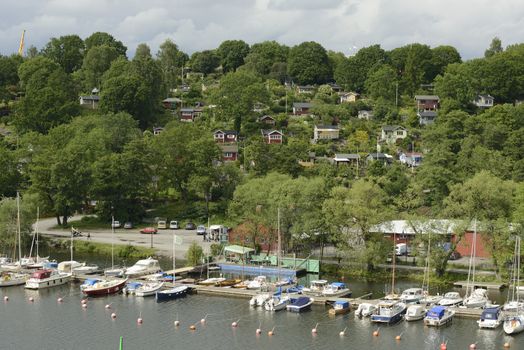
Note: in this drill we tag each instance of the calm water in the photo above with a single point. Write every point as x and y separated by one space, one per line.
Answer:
47 324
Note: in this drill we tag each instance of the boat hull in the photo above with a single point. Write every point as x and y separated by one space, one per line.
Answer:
339 311
47 283
140 292
171 294
387 319
105 290
514 324
299 307
438 322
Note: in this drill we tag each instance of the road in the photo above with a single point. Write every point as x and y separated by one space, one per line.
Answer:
162 241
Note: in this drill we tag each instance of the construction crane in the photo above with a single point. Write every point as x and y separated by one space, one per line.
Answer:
21 47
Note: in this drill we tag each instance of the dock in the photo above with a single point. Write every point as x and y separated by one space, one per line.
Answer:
485 285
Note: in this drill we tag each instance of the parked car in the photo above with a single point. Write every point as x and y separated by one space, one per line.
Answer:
173 225
149 230
201 230
162 224
190 226
116 224
128 225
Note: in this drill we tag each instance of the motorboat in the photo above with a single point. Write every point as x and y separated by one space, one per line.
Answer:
299 304
430 299
284 282
450 299
415 313
227 283
85 269
172 293
412 295
11 266
340 307
513 306
336 289
114 272
389 311
148 289
478 299
259 299
241 285
439 316
257 282
277 303
491 318
315 287
294 290
105 287
365 310
143 267
47 278
8 279
131 288
212 281
514 324
68 266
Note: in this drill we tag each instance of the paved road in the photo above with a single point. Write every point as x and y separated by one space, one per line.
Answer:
162 241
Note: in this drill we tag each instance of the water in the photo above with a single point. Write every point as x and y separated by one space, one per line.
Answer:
47 324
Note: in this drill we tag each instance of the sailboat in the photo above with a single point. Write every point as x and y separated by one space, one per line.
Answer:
392 295
15 278
37 262
514 322
176 291
74 267
428 299
113 272
475 298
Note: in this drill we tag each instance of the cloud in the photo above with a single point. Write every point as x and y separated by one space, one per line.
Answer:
338 25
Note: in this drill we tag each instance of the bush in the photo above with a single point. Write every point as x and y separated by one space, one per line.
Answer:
194 254
216 249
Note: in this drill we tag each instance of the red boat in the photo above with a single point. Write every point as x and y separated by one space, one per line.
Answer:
105 287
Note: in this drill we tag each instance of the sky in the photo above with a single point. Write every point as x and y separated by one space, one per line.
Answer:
339 25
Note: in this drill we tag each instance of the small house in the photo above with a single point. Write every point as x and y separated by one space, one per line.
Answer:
335 87
301 108
225 136
426 117
346 158
391 133
229 152
189 114
272 136
365 114
347 97
484 101
157 130
305 89
427 102
267 119
171 102
259 107
326 132
89 101
377 156
411 159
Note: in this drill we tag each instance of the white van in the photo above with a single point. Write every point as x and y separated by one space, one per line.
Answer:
162 224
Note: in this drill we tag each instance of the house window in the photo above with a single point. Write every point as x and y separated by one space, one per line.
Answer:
274 137
400 133
228 154
230 136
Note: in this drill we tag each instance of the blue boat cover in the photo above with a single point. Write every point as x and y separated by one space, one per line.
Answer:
437 311
345 304
132 285
301 301
490 313
339 284
278 292
90 281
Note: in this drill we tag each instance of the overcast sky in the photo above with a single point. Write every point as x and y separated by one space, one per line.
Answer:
341 25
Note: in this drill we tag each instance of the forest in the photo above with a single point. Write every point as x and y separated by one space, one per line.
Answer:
66 158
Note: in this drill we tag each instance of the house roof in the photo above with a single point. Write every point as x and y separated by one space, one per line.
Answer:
238 249
392 127
302 105
90 97
427 114
266 132
264 117
226 132
171 100
229 148
327 127
362 111
378 155
486 97
407 227
310 87
349 93
187 110
427 97
341 157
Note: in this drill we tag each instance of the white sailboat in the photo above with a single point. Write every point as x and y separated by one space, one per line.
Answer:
428 299
514 322
475 298
75 267
113 271
392 295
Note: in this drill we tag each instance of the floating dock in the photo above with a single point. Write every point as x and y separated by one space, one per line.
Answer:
485 285
261 270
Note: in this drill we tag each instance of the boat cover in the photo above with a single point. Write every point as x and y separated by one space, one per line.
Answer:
301 301
340 285
490 313
343 303
437 311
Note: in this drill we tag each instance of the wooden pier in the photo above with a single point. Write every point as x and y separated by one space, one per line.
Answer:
485 285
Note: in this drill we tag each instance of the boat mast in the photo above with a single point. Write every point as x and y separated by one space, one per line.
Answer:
474 255
470 266
36 229
174 239
112 242
279 242
18 227
394 261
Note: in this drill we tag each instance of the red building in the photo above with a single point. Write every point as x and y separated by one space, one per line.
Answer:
229 152
225 136
189 114
427 103
272 136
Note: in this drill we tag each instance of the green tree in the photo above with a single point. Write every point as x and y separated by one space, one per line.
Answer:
204 61
8 76
101 38
417 69
50 98
8 224
263 56
194 255
494 48
442 56
351 214
10 177
171 61
488 200
232 54
142 52
382 83
353 72
96 62
67 51
308 63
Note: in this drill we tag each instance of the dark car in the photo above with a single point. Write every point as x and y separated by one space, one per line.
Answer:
190 226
